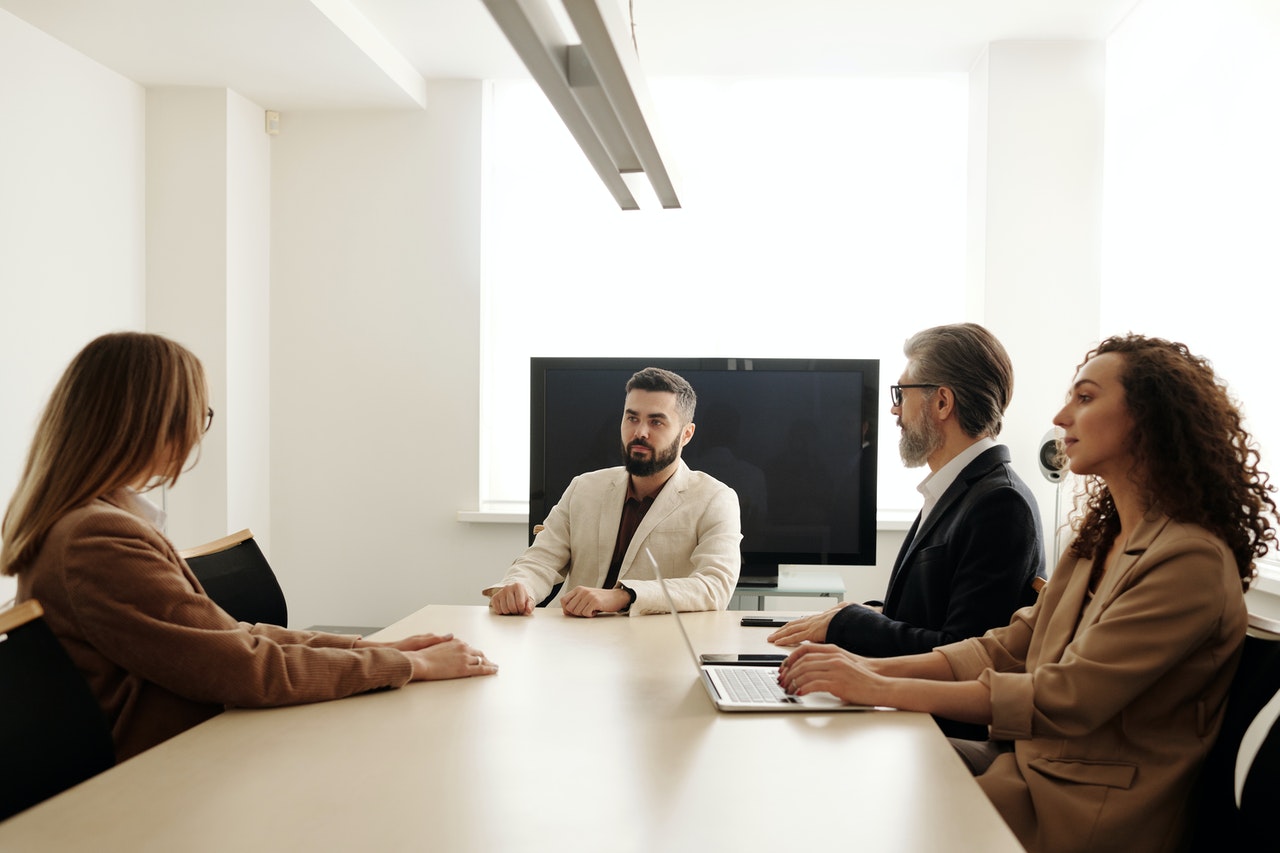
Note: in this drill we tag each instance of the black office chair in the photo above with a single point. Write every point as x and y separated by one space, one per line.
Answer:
555 590
53 734
236 575
1224 820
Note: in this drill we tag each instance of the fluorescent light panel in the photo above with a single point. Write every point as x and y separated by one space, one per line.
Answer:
606 41
596 88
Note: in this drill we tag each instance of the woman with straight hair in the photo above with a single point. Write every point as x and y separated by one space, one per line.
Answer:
1105 695
159 654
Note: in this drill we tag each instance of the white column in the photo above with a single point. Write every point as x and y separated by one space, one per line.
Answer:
1036 208
208 229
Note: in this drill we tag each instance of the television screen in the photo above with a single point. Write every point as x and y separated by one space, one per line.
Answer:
795 438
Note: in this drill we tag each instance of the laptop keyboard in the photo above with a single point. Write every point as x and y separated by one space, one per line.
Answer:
754 684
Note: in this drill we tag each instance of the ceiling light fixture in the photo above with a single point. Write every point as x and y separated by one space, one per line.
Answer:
595 85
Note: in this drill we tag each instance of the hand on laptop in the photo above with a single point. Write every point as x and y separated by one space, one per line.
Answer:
512 599
829 669
588 601
811 629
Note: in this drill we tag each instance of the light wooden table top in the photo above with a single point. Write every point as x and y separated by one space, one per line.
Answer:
595 736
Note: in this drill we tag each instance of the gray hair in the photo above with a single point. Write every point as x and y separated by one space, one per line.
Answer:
968 359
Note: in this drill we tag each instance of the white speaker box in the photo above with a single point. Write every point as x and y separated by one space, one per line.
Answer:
1052 465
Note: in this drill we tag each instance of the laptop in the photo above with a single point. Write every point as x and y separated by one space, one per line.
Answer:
748 682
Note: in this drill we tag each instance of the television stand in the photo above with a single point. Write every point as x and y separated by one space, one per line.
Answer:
791 584
745 581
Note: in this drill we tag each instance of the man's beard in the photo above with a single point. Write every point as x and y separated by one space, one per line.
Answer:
918 441
655 462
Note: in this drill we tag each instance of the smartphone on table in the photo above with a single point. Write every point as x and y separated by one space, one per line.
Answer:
765 621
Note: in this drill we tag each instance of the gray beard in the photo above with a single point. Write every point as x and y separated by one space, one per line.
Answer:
917 443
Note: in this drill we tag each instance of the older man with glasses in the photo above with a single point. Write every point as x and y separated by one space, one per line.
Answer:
974 553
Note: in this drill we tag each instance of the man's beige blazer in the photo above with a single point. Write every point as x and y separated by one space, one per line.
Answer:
693 530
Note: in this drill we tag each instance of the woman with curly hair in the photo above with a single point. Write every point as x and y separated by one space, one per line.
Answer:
1104 697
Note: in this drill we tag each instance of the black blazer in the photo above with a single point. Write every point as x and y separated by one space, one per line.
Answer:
961 573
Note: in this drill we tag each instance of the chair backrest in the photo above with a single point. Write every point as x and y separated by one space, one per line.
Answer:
53 733
236 575
1239 785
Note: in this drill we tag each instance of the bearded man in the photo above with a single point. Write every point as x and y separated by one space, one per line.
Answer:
973 553
593 539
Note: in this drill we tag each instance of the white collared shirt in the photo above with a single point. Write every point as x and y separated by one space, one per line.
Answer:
936 484
142 507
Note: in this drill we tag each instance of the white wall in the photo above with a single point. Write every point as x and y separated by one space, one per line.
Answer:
245 413
1037 152
187 274
72 185
1191 214
375 362
208 286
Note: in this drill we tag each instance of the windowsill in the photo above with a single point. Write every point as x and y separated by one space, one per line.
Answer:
1267 583
514 512
497 512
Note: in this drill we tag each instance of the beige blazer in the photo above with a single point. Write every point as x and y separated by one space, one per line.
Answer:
693 529
1111 701
159 655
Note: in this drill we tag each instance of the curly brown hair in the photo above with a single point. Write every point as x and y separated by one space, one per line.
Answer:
1198 463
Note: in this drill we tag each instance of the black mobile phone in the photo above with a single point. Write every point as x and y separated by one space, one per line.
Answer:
764 621
762 660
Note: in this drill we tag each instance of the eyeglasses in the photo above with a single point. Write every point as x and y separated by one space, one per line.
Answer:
208 419
895 392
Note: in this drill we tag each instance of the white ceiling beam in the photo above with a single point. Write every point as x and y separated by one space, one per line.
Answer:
370 40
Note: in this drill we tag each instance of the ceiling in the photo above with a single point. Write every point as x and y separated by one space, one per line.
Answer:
341 54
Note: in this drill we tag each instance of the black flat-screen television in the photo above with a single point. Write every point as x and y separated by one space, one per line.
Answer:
795 438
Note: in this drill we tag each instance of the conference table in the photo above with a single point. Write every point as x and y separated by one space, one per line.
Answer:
596 735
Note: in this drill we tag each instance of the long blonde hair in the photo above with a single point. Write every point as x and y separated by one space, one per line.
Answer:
130 406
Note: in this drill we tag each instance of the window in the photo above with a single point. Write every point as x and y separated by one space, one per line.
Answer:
821 219
1193 179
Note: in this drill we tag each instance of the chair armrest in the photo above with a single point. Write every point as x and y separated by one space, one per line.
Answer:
19 615
228 541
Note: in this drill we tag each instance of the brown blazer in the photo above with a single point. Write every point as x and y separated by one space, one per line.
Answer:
159 655
1111 701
